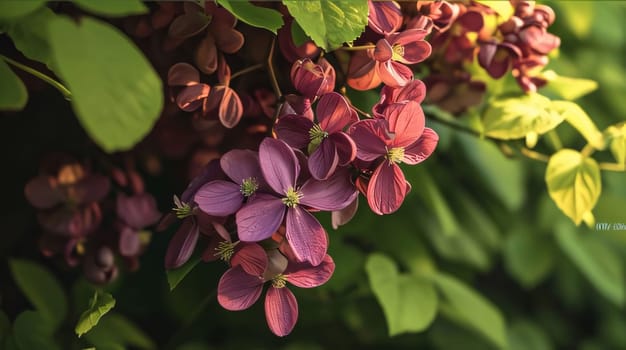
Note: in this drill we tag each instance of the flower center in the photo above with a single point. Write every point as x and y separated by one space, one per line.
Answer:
395 155
280 281
249 186
225 250
183 210
398 52
292 198
317 134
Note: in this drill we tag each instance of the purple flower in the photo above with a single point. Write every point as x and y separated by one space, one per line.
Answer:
396 50
329 147
413 91
384 17
263 213
313 80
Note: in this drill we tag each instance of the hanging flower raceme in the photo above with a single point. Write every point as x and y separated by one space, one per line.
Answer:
401 137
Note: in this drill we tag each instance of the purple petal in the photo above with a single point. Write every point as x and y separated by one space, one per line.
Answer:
182 74
129 242
393 73
42 192
260 217
422 148
281 310
406 121
138 211
279 165
306 236
345 146
362 73
294 129
384 16
219 198
383 51
307 276
333 194
182 244
192 97
333 112
323 161
251 257
387 189
211 171
238 290
188 25
343 216
92 188
241 164
369 136
413 91
415 52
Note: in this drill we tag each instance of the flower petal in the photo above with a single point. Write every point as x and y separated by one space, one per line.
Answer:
306 236
206 55
387 189
304 275
277 263
383 51
238 290
422 148
219 198
323 161
251 257
129 243
188 25
281 310
240 164
346 148
182 74
333 194
369 136
42 192
393 73
413 91
138 211
279 165
182 245
333 112
362 73
384 17
343 216
211 171
415 52
191 97
406 121
260 217
294 130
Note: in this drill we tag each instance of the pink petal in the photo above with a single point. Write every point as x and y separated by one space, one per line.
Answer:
238 290
413 91
129 243
369 136
387 189
42 192
407 36
346 148
383 51
191 97
138 211
362 73
188 25
307 276
333 112
206 55
406 121
333 194
393 73
241 164
230 110
415 52
384 16
279 165
323 160
251 257
182 74
182 244
294 130
260 217
422 148
281 310
343 216
219 198
306 236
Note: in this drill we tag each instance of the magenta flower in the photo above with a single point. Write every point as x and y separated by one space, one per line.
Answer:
384 17
413 91
241 286
399 138
263 213
328 145
396 50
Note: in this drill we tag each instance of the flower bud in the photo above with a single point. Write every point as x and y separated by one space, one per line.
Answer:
311 79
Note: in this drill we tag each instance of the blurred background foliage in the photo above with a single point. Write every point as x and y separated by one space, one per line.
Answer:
478 257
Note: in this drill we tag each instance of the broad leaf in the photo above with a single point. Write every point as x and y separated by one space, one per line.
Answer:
528 257
577 117
597 261
616 135
466 306
515 117
383 279
261 17
30 35
5 327
116 94
13 9
113 8
14 94
32 330
567 88
573 183
42 290
525 335
100 304
116 331
175 276
330 23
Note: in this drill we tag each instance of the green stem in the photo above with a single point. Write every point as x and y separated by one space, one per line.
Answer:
587 150
612 167
528 153
270 69
357 48
247 70
57 85
554 139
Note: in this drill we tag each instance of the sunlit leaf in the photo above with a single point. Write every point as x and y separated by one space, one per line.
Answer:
573 183
175 276
330 23
577 117
42 290
13 9
566 87
616 134
14 94
255 16
113 8
99 305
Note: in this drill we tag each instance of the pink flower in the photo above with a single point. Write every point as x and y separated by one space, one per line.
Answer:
396 50
401 137
413 91
263 213
384 17
313 80
328 145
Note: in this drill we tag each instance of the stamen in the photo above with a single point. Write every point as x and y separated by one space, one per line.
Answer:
292 198
280 281
249 186
395 155
225 250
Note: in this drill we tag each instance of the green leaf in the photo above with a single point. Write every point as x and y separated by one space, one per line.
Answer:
30 35
42 290
113 8
330 23
465 306
14 94
383 279
100 304
577 118
33 330
12 9
115 331
597 261
297 34
175 276
528 257
524 335
567 88
616 135
574 183
260 17
5 327
116 94
515 117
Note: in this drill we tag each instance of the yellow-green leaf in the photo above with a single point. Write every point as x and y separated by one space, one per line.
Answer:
12 9
566 87
573 183
576 117
261 17
616 135
100 304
